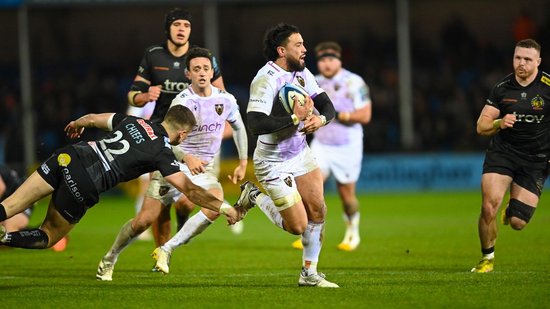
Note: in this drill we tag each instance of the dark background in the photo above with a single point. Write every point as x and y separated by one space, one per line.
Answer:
84 57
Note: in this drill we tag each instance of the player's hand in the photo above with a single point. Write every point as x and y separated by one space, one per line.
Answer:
302 111
508 121
239 172
154 93
195 165
232 215
73 130
311 124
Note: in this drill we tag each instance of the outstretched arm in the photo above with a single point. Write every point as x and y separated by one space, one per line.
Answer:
201 197
241 141
101 121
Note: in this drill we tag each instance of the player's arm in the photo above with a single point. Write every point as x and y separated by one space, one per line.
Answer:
141 92
201 197
362 115
103 121
241 142
324 106
489 124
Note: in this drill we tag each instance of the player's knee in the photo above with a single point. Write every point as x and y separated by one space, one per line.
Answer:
519 213
517 224
296 229
140 224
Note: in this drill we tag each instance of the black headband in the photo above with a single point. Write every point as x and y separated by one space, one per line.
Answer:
328 54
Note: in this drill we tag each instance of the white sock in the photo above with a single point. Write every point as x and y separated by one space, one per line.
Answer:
139 203
193 227
352 223
265 203
311 240
489 256
123 239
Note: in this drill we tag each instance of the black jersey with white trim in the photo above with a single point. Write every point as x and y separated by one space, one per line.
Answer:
135 146
162 68
531 105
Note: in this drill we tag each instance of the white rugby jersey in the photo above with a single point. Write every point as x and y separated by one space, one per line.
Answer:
348 92
264 89
211 113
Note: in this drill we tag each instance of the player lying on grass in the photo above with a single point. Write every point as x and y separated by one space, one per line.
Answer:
76 174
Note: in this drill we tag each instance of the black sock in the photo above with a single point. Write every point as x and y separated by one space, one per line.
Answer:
28 239
488 250
3 215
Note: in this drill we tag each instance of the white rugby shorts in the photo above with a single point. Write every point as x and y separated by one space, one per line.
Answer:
277 177
343 161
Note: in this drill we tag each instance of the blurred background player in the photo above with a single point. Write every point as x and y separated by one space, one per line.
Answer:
283 162
517 116
9 182
338 146
161 76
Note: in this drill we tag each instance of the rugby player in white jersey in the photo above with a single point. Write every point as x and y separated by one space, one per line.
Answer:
338 146
212 107
283 162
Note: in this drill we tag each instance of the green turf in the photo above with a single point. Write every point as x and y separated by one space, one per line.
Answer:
416 252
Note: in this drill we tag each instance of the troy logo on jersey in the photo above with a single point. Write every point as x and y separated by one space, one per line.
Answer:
528 118
174 86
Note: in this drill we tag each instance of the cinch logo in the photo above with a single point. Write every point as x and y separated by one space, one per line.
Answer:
175 86
148 129
213 127
73 188
528 118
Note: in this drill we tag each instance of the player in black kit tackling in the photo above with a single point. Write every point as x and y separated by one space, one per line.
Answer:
75 175
517 116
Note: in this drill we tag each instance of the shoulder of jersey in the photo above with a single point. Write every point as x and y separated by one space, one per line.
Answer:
506 80
155 48
545 78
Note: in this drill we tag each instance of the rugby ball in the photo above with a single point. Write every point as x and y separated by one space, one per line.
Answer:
287 94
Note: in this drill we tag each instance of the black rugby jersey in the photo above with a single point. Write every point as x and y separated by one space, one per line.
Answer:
160 67
135 146
531 105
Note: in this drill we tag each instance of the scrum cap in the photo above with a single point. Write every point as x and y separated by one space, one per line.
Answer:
174 15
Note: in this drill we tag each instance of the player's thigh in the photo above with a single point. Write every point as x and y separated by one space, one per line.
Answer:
310 187
33 189
493 189
523 195
55 225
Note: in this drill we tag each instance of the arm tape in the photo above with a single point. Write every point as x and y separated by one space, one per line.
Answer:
260 123
139 85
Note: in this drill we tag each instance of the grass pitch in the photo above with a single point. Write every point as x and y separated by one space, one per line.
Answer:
417 251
